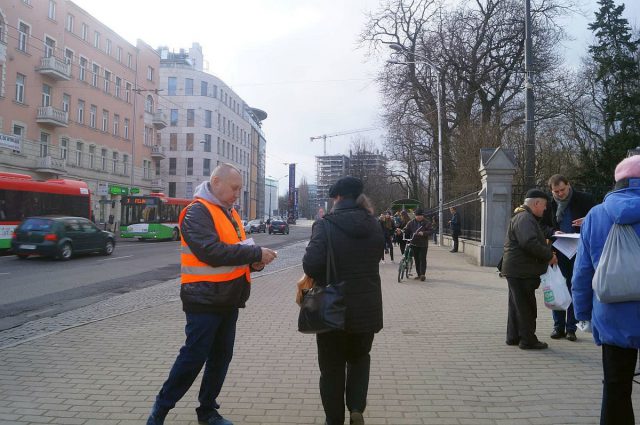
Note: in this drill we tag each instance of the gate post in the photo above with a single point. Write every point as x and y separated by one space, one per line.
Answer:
497 168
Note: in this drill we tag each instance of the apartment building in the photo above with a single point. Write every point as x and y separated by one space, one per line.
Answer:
209 124
76 101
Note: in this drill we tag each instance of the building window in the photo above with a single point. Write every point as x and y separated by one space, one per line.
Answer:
80 111
207 118
174 118
204 88
189 166
96 40
68 56
172 167
129 60
66 101
172 189
126 128
93 111
105 120
46 95
207 143
23 36
206 166
108 47
94 77
116 125
127 92
173 141
125 165
107 80
146 169
44 144
64 145
114 163
118 85
119 55
148 136
190 117
189 190
70 20
92 156
85 32
172 86
189 146
149 73
49 47
83 69
188 87
52 10
103 160
148 104
20 84
79 154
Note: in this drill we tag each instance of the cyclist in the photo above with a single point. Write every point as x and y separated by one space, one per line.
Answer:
401 233
421 230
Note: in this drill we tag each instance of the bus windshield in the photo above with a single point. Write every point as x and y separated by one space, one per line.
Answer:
140 210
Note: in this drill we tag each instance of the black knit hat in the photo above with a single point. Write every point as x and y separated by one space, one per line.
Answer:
536 193
350 187
418 211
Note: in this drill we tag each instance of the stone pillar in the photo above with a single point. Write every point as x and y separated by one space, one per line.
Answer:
497 168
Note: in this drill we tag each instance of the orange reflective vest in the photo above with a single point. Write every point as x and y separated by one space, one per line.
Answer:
194 270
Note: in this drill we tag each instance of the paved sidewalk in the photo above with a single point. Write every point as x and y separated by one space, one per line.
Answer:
441 359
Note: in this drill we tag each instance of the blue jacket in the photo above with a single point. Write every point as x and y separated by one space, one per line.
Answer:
614 323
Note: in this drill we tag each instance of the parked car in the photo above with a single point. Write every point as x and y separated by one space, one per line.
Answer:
60 237
278 226
256 226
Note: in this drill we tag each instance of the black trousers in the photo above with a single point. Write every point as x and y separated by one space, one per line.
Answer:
618 365
523 311
455 235
420 259
338 350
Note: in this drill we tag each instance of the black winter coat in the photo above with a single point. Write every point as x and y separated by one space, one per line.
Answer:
358 245
526 253
199 232
580 205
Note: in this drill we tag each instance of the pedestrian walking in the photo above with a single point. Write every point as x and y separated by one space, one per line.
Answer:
357 243
615 325
456 228
525 258
434 226
401 233
388 230
420 230
565 215
215 276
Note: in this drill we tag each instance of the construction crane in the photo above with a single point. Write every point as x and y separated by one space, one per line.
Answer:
324 137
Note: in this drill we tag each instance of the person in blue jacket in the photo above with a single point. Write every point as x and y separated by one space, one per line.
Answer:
616 326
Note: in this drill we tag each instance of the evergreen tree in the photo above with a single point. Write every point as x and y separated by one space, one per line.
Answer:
618 72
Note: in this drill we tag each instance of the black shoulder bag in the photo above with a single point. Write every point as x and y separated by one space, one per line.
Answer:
323 309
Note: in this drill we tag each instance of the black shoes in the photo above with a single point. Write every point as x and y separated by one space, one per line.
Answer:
571 336
539 345
356 418
558 334
514 342
454 250
423 278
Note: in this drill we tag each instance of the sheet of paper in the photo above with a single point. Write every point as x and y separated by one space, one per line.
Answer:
567 246
567 235
249 241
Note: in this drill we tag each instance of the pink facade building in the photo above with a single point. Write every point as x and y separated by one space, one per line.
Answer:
77 101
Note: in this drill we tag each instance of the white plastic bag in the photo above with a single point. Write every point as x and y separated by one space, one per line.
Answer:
617 277
554 288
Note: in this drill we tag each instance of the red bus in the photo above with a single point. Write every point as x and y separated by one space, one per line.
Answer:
22 196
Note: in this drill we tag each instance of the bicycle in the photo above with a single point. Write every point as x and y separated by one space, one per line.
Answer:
406 262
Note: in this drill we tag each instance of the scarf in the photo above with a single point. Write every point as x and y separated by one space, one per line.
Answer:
562 205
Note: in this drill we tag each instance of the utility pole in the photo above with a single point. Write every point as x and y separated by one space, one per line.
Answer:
530 143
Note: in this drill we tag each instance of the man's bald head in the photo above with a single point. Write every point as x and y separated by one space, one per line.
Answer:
226 183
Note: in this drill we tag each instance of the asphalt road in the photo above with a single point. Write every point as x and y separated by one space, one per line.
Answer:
41 287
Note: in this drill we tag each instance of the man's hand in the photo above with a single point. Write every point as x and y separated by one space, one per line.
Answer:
420 233
554 260
268 255
257 266
577 222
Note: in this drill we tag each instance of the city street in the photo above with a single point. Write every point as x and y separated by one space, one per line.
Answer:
41 287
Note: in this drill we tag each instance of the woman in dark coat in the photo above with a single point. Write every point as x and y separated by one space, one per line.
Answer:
358 244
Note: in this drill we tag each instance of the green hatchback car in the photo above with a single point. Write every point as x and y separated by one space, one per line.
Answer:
60 237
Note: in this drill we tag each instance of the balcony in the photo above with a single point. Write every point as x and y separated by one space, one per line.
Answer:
55 68
52 116
3 52
157 152
157 185
51 165
159 120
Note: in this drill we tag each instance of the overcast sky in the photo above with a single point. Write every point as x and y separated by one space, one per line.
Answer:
296 59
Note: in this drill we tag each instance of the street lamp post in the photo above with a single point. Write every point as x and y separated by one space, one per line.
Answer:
401 49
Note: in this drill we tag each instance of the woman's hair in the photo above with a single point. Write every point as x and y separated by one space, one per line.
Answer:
361 202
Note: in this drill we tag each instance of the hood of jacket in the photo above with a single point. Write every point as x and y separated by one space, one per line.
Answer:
623 206
352 220
203 191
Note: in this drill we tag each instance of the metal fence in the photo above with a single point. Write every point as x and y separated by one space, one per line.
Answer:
469 209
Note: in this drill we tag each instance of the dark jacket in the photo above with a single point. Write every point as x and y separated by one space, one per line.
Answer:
412 229
199 232
579 205
526 253
456 226
358 245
